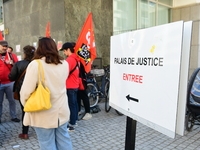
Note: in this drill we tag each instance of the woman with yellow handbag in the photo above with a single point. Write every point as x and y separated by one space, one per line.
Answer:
51 70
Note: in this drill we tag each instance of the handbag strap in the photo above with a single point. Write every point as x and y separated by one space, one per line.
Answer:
20 78
40 71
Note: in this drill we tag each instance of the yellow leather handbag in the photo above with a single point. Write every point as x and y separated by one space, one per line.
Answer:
40 99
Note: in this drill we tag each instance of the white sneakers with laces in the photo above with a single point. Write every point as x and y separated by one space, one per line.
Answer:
87 116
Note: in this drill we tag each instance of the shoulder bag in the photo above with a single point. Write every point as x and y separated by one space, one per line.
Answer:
40 99
16 94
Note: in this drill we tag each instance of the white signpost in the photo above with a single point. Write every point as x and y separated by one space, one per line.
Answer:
145 75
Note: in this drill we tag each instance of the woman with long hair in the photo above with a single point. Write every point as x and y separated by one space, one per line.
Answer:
17 74
50 125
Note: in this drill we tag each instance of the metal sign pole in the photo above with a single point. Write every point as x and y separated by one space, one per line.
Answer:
130 133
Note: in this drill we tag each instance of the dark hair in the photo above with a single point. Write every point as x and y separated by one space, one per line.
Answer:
10 48
73 44
47 48
29 51
72 49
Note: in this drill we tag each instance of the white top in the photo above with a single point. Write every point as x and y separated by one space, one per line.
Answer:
55 79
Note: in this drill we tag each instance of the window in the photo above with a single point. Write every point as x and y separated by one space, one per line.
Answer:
146 14
164 14
124 15
152 14
142 14
131 15
167 2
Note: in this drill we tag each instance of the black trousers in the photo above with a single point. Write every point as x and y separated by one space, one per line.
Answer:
82 95
24 128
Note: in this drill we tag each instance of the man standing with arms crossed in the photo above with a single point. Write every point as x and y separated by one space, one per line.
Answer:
6 86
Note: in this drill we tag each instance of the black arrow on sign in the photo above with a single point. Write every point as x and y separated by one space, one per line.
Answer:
131 98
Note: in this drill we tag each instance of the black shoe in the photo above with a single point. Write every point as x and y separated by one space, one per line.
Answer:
15 120
71 129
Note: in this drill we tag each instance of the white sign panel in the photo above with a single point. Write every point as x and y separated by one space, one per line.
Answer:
17 48
145 70
187 34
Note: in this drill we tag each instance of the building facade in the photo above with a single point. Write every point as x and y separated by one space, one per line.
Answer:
187 12
1 16
25 21
130 15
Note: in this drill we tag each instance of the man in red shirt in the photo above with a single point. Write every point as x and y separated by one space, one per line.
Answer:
10 50
6 86
72 83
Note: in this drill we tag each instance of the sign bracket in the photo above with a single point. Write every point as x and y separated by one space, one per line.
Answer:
130 133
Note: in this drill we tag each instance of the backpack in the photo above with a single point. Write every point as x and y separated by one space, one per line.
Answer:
95 109
195 90
82 75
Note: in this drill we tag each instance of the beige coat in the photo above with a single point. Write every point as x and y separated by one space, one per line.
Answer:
55 79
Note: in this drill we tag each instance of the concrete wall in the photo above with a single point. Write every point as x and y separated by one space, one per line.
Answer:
26 20
102 10
178 3
189 13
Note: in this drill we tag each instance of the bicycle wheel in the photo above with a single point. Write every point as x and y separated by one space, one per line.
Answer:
107 86
189 121
92 94
107 106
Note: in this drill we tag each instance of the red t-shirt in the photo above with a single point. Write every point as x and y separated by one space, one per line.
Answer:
72 81
14 57
5 68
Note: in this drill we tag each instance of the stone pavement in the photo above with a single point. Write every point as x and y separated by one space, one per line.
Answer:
105 131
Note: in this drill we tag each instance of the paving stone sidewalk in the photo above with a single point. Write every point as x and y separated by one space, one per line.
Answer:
105 131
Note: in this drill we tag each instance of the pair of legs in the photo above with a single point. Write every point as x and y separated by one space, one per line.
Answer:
82 95
24 128
73 105
54 138
8 90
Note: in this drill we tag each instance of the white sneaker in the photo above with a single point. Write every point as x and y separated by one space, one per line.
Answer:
87 116
76 125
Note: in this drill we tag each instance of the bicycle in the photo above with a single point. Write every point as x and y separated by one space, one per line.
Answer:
94 90
108 107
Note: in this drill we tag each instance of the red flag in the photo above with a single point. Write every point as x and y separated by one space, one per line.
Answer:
85 45
1 36
48 30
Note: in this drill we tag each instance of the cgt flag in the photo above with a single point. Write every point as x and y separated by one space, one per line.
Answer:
48 30
85 45
1 36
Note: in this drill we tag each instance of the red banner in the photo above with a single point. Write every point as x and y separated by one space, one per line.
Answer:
1 36
48 30
85 45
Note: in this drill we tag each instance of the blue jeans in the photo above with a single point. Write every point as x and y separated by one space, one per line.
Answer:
54 138
8 90
73 105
